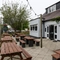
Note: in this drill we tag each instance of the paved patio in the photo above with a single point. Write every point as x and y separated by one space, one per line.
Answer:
43 53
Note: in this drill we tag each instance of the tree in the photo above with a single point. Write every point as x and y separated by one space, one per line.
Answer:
26 24
57 19
15 15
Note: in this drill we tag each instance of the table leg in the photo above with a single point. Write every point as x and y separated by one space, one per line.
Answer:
2 58
11 57
21 58
27 41
30 43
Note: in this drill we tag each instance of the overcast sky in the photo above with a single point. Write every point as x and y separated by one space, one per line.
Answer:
37 5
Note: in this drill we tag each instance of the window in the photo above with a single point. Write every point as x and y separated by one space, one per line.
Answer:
30 27
55 36
47 29
35 28
55 29
52 9
49 9
47 35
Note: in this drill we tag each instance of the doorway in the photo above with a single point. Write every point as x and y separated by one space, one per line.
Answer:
51 32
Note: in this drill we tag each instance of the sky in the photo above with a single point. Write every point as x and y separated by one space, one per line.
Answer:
37 5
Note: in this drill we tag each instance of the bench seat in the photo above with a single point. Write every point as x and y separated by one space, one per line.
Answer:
26 54
17 39
55 57
37 42
22 43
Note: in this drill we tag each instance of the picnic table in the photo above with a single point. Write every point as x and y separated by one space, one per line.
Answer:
6 39
21 35
5 34
58 52
29 40
56 56
18 34
10 49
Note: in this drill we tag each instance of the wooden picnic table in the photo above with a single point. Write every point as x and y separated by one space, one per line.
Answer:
28 37
29 40
57 55
5 34
21 35
58 52
18 34
10 49
6 39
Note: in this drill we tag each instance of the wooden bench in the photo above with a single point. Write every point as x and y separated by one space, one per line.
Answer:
37 42
26 54
55 57
17 39
56 50
22 43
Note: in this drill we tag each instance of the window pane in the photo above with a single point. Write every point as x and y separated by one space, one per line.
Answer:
47 29
55 36
35 28
55 29
47 35
30 27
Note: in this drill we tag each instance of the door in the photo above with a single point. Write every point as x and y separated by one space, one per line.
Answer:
51 32
55 32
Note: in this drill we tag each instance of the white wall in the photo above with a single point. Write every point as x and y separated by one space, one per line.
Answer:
33 32
33 22
58 29
47 24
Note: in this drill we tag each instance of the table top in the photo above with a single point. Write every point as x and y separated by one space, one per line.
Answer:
10 48
6 34
20 34
58 51
6 39
29 38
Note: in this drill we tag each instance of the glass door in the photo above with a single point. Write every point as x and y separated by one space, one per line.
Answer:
51 32
55 32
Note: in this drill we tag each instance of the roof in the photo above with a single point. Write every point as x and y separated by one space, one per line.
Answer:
53 4
35 19
52 15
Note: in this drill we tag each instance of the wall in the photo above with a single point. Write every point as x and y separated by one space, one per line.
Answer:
58 29
35 33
